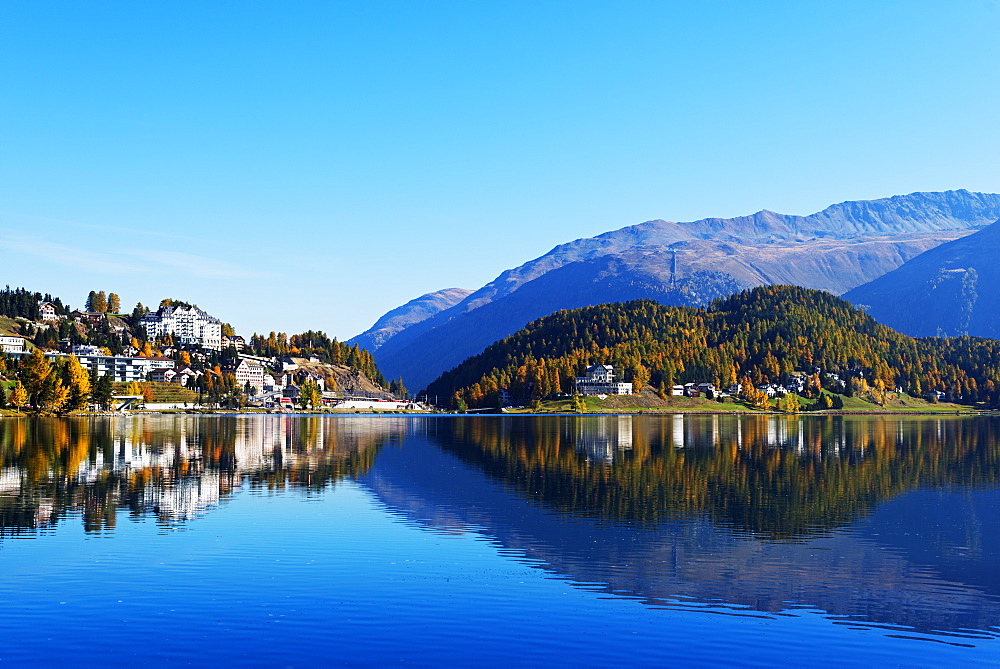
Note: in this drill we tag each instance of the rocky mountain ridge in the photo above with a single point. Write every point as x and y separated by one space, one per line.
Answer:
839 248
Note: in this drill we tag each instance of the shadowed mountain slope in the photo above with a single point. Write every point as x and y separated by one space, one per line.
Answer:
946 291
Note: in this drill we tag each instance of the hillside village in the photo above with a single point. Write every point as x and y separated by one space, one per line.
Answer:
178 356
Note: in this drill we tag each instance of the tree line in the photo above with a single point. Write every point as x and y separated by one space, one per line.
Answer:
758 336
314 342
43 386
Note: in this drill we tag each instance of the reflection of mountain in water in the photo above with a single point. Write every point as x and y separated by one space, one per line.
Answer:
889 521
171 467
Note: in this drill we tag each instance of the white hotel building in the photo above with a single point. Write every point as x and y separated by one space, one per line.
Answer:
190 325
599 380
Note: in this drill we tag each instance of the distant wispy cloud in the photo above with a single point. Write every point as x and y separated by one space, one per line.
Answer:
11 218
193 264
125 261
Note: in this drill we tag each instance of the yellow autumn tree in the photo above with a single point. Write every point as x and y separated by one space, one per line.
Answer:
78 381
18 396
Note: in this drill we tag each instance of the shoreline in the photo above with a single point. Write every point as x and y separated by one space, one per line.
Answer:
641 412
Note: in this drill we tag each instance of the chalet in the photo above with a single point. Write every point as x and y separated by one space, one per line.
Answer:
47 312
88 317
677 390
599 380
304 375
236 341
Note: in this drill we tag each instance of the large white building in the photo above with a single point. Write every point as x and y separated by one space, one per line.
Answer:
12 344
189 325
121 368
599 380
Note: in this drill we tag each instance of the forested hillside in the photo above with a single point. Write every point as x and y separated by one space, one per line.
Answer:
835 250
756 336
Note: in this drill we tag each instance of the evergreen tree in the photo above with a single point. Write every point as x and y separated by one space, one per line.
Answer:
103 392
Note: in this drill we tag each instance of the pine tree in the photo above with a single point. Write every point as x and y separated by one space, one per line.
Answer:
103 391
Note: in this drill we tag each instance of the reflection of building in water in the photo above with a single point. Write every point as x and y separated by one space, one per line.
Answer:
183 466
10 481
599 438
795 433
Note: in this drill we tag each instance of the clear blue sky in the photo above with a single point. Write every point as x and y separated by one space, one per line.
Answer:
289 165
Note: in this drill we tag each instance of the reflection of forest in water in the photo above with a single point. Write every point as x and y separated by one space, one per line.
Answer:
170 467
775 476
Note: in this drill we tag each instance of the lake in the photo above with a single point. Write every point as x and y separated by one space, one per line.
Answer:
471 540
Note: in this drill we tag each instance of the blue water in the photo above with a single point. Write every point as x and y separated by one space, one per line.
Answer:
425 554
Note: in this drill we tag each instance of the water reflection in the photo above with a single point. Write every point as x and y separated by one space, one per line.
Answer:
773 476
173 468
879 522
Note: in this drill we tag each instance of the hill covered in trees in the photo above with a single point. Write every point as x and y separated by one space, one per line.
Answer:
763 335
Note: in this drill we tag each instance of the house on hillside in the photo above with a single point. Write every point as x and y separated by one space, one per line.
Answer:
236 341
183 376
304 375
599 380
92 318
186 376
11 344
248 371
274 383
162 375
47 312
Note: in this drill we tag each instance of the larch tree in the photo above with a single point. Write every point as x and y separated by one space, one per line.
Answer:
34 372
114 303
77 379
18 396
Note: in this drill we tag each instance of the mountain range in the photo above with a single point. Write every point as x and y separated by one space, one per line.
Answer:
681 264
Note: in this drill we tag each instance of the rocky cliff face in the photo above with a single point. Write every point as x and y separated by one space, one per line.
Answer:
949 290
841 247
